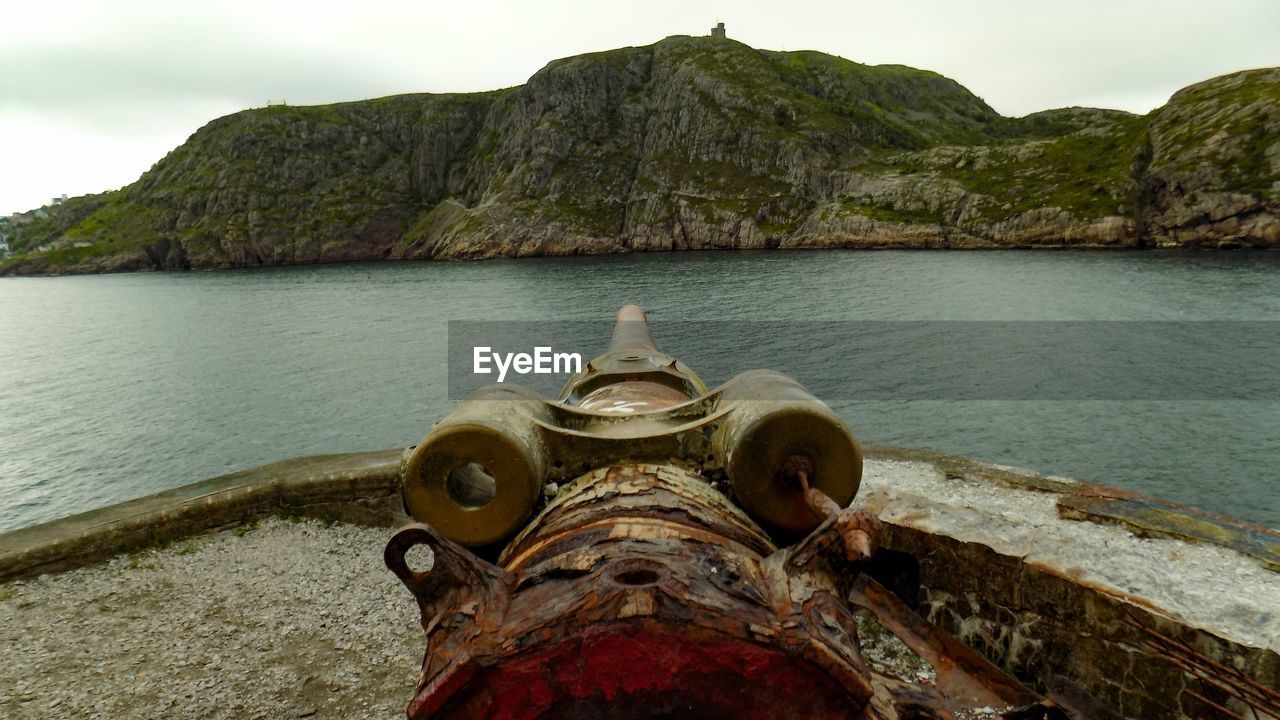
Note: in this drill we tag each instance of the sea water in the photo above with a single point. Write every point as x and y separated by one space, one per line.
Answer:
117 386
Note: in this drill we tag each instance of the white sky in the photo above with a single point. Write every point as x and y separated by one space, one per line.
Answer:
92 93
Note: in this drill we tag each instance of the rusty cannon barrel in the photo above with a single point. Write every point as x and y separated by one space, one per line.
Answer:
640 547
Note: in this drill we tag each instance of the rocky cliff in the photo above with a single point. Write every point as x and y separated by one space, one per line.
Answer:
689 143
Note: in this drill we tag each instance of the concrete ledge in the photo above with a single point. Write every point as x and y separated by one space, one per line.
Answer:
1142 515
361 488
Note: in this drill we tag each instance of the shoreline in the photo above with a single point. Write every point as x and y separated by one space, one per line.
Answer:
1052 249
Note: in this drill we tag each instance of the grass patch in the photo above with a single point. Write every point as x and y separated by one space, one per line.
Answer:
779 229
288 513
73 255
247 527
886 213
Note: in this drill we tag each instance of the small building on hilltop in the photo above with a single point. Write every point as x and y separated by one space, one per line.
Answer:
718 31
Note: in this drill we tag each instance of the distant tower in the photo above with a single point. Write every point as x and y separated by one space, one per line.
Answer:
718 30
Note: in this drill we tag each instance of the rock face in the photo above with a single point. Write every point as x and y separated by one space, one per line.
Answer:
690 143
1213 164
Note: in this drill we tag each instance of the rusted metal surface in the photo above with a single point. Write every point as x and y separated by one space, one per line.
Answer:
653 560
696 556
857 530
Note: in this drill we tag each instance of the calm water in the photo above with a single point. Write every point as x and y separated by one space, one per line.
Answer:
117 386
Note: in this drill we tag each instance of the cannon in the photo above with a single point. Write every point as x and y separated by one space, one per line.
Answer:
644 547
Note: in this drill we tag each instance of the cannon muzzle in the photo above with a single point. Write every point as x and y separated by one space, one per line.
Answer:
631 331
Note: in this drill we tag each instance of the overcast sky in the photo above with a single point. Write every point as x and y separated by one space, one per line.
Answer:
93 92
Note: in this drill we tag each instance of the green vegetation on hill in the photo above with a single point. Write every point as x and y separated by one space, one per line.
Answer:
59 221
888 105
1089 173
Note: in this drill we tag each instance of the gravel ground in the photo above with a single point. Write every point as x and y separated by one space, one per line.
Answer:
283 620
286 619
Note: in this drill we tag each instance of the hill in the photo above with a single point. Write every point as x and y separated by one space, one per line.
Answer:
689 143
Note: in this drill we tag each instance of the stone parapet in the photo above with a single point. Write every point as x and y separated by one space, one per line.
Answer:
361 488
